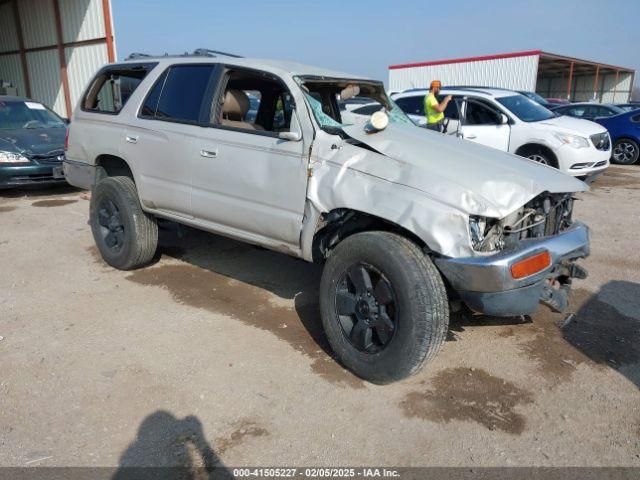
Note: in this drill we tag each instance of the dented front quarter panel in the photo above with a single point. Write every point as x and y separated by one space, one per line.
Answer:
425 182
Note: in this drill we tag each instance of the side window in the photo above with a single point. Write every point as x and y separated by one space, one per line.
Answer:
151 102
253 101
412 105
578 112
480 114
452 110
183 93
113 86
604 112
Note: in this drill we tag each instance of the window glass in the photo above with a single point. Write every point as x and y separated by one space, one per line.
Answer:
18 115
151 103
183 92
578 112
451 111
283 111
525 109
112 88
411 105
479 114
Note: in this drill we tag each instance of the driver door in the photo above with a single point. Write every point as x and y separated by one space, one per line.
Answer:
483 124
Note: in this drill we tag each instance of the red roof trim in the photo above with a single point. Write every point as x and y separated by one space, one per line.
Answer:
527 53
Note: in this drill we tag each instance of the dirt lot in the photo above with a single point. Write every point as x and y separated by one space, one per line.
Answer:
215 354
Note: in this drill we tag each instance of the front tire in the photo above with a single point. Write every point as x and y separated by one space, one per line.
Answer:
126 236
384 306
625 152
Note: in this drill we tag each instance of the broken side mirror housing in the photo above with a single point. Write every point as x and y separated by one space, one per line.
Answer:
377 122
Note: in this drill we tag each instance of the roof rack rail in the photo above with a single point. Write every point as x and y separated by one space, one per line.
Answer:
198 52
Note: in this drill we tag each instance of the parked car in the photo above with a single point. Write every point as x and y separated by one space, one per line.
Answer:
589 110
557 101
538 98
512 122
31 143
392 211
627 107
624 130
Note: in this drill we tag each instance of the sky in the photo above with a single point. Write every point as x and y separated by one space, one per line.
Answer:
366 37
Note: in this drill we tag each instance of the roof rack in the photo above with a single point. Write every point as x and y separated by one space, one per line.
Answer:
198 52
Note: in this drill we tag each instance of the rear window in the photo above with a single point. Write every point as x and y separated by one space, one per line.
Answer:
113 86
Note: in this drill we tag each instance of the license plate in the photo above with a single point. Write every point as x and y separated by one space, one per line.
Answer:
57 172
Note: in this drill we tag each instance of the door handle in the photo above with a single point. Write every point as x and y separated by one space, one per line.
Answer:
208 153
131 138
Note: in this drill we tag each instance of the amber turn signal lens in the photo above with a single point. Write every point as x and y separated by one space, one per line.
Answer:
530 265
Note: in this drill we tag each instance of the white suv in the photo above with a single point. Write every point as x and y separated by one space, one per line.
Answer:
511 122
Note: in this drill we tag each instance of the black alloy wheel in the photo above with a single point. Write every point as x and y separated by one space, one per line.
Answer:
366 308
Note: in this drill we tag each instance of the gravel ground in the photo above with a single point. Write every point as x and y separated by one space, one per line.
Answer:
215 355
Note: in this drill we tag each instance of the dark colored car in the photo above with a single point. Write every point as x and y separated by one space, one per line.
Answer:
31 143
589 110
627 107
625 135
538 99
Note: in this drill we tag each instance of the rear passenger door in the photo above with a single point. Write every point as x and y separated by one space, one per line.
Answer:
161 138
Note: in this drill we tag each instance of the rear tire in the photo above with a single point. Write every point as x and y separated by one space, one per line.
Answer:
391 327
125 235
625 152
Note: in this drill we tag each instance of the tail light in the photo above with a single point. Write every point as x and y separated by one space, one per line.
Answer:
530 265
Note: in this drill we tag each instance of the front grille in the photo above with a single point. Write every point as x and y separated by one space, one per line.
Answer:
599 164
601 141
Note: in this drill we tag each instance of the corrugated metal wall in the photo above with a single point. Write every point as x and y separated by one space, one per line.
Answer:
81 21
82 63
607 89
517 73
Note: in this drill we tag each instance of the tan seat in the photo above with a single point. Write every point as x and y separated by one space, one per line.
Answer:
234 108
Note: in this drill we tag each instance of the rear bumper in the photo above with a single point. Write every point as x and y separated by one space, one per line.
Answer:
12 176
485 283
79 174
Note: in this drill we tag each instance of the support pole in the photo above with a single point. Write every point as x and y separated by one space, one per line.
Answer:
108 30
570 82
595 84
615 86
23 55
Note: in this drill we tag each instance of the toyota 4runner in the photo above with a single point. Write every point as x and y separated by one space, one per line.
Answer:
406 222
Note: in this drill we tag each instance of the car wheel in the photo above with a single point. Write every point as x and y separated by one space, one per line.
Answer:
625 152
125 235
539 157
384 306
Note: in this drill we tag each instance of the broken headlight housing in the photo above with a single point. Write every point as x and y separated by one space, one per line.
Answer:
486 233
12 157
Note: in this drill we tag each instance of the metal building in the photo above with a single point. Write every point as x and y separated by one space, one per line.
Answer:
548 74
50 48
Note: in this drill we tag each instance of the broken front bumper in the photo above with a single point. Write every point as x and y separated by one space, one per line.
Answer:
486 285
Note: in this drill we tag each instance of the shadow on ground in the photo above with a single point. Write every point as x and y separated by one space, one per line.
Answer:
261 288
39 191
606 327
167 447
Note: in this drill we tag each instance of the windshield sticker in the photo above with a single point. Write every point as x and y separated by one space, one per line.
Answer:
34 106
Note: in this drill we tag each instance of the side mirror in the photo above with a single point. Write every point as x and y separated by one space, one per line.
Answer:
290 136
503 119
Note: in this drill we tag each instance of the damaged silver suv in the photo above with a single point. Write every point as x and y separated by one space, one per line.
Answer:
406 222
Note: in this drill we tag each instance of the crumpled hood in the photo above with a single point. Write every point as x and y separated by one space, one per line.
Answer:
473 178
34 141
